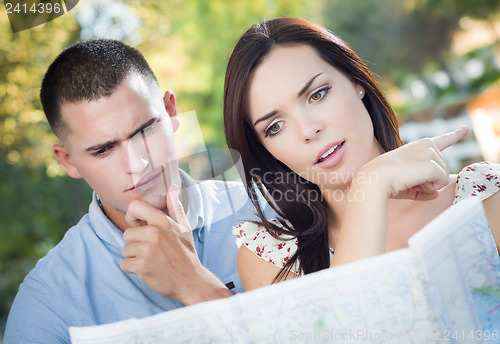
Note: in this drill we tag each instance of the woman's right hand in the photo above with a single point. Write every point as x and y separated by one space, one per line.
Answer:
416 170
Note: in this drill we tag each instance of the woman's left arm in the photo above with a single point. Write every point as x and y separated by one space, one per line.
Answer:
492 209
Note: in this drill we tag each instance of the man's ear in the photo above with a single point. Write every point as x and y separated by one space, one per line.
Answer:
169 101
64 158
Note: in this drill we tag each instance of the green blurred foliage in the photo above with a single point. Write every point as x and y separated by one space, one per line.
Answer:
24 135
187 42
194 43
35 209
403 41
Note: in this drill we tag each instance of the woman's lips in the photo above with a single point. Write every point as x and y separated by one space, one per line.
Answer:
331 155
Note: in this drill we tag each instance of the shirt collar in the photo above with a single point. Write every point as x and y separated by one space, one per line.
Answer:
103 226
195 210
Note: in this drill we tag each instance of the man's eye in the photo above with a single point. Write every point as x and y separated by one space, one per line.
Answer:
101 152
150 129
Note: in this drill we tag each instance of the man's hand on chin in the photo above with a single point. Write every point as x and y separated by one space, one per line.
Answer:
160 250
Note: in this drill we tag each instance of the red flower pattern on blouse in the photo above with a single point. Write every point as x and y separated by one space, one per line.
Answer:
480 179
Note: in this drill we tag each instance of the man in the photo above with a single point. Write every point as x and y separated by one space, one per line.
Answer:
104 104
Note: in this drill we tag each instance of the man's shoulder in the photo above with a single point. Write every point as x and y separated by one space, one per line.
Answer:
73 241
45 292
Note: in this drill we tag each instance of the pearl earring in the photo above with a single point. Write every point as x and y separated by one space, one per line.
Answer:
361 93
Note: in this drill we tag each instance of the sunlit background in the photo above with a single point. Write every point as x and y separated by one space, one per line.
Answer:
437 60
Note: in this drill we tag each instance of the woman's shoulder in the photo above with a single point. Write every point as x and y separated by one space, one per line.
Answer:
481 179
274 249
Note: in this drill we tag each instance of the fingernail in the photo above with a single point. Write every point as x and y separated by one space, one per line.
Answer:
462 128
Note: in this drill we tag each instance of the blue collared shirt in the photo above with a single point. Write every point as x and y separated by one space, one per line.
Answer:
80 283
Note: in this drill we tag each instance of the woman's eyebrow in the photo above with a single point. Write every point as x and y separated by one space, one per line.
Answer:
263 118
301 92
307 85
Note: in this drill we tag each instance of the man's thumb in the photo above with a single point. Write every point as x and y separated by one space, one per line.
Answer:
174 206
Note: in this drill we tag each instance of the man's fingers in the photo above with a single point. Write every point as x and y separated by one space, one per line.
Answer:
131 265
143 233
142 212
444 141
133 234
134 221
126 265
130 250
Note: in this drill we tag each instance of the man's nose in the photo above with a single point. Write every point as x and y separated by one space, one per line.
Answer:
137 159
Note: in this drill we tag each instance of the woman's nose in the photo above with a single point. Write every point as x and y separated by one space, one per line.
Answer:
310 128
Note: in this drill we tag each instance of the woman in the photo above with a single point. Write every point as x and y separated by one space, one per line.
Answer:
320 142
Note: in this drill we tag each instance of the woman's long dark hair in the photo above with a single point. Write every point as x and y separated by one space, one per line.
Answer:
305 211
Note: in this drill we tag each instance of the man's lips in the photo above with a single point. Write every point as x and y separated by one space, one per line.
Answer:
145 180
328 150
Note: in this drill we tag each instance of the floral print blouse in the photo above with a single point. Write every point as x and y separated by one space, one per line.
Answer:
479 179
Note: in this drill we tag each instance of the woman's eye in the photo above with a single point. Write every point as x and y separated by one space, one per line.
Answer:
274 128
316 96
320 94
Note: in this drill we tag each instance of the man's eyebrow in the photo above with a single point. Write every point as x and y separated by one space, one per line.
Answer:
101 146
150 122
105 145
307 85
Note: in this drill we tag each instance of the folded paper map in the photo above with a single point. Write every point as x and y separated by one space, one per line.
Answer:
444 288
